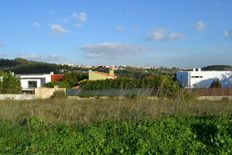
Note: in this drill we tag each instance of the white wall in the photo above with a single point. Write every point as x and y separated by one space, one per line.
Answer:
41 79
203 79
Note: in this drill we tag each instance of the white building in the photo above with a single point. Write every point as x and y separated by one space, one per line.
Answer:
203 79
31 81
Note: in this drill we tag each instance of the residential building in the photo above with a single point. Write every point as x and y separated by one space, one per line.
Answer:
203 79
31 81
94 75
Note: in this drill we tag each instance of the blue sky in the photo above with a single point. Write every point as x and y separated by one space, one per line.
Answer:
179 33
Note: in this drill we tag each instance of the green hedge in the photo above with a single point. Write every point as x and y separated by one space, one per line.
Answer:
161 84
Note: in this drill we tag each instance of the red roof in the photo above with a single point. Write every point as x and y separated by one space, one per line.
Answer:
57 77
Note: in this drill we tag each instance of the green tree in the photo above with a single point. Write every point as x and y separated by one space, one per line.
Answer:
72 79
215 84
60 84
10 84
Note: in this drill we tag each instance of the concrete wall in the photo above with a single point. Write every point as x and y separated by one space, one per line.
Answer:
45 93
16 97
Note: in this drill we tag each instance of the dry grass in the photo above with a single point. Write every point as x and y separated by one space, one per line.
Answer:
114 109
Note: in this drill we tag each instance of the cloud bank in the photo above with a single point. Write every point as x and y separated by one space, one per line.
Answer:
113 50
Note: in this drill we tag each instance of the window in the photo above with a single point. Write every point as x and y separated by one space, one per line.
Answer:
196 76
32 84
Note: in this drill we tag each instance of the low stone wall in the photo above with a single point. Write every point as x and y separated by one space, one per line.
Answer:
17 97
45 93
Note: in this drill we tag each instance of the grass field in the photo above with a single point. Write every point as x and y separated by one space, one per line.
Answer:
116 126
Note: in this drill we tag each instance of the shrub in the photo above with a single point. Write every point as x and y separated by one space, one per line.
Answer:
216 84
60 84
10 84
59 95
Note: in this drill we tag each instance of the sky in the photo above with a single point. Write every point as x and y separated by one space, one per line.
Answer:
170 33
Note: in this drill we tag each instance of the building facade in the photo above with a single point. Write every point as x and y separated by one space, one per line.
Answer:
31 81
203 79
94 75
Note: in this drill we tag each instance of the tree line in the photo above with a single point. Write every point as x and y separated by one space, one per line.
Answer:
162 84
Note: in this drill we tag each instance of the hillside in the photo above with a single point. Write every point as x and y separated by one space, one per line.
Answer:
218 68
23 66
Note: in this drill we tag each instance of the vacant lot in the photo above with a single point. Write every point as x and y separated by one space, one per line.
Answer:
116 126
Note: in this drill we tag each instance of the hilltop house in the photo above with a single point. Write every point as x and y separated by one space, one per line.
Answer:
31 81
203 79
94 75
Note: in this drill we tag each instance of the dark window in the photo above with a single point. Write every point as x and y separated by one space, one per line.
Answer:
196 76
32 84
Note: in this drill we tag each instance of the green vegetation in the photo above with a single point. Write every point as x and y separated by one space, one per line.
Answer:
115 126
23 66
9 84
72 79
59 95
162 85
59 84
217 68
216 84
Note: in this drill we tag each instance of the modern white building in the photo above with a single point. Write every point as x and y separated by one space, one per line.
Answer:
203 79
31 81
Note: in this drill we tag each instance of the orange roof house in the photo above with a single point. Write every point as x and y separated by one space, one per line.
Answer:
94 75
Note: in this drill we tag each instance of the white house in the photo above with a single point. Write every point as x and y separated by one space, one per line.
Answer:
31 81
203 79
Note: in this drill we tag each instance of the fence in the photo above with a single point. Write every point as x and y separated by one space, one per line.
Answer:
147 92
212 91
109 92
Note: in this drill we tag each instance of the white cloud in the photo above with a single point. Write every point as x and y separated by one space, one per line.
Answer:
58 29
35 24
81 16
200 25
113 50
228 33
162 34
121 28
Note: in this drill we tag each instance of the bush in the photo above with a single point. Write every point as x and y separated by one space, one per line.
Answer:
9 84
60 84
162 85
216 84
59 95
